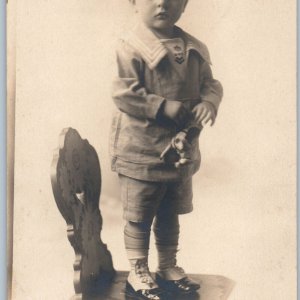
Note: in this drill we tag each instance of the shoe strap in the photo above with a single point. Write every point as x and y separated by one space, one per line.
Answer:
173 273
140 278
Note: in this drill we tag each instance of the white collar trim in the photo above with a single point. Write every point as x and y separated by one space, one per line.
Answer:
152 49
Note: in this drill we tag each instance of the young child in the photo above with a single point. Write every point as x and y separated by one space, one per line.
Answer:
165 93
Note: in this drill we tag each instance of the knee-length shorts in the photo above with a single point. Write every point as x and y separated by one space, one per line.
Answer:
142 199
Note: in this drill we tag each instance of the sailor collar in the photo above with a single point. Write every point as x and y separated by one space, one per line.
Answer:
153 50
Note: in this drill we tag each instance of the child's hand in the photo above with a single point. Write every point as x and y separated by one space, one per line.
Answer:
203 113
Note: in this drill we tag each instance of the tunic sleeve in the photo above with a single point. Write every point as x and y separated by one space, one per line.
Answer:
128 91
211 89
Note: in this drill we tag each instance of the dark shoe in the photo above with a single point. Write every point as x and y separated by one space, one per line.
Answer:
183 286
153 294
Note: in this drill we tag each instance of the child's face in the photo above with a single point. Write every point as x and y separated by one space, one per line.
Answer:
159 15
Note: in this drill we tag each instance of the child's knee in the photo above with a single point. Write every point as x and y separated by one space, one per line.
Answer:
166 227
138 227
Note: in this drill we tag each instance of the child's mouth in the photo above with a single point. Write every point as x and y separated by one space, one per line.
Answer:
162 15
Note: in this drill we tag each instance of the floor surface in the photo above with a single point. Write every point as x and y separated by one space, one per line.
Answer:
213 287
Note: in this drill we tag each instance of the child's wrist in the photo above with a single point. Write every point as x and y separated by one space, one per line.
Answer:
211 105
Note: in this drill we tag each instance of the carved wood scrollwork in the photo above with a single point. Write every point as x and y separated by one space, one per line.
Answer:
76 184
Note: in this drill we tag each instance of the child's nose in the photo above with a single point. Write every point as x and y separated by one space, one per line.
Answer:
162 3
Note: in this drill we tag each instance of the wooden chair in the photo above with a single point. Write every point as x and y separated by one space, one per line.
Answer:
76 184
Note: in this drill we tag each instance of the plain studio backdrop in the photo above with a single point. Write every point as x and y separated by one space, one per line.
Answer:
244 222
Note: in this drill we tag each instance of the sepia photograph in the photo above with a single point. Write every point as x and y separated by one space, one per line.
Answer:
151 150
